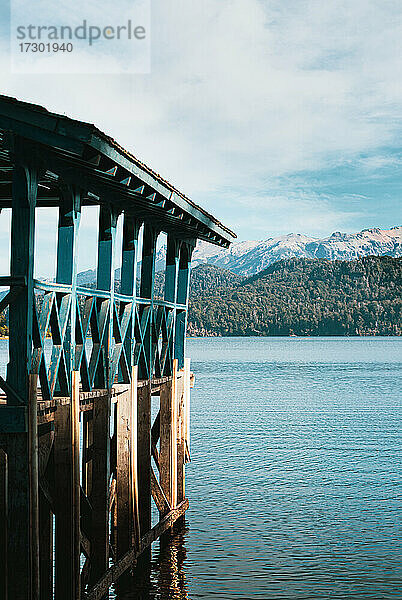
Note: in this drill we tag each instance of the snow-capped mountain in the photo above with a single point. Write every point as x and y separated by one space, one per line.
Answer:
248 258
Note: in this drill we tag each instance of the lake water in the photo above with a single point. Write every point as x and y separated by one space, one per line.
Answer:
294 480
294 484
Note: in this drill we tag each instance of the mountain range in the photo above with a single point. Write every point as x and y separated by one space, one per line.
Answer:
250 257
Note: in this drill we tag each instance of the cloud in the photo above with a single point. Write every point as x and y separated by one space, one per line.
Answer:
245 93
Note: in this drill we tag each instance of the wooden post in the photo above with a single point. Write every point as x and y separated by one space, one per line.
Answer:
66 266
67 490
187 397
123 474
102 406
46 549
99 496
3 523
87 441
105 281
180 427
128 285
144 456
133 455
182 298
171 279
168 438
150 236
67 442
22 447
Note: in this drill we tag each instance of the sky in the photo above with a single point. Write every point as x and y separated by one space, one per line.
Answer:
276 116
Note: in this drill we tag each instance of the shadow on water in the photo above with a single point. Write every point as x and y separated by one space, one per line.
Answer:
164 577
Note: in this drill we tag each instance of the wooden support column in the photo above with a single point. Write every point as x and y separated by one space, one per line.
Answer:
87 441
150 236
67 490
168 438
183 283
99 497
123 483
67 443
66 268
168 446
144 456
105 281
133 456
46 549
3 523
171 279
180 425
128 285
22 446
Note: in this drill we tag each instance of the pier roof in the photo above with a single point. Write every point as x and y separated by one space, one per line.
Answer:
81 154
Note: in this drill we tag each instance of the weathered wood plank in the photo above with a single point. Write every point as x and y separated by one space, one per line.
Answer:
128 560
67 500
123 475
87 451
168 438
144 457
133 456
3 522
180 429
46 548
24 190
158 495
99 497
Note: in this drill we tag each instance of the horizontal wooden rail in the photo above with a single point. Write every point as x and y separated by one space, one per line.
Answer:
128 560
84 291
6 280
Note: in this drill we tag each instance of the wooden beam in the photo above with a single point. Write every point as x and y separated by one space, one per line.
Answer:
182 298
22 266
99 497
128 284
168 438
99 590
162 503
46 548
133 456
66 264
105 281
123 475
144 457
22 448
3 522
67 492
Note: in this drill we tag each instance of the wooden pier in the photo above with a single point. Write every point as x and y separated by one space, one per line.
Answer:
94 412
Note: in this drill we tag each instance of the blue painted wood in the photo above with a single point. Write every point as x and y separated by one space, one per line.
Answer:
24 190
149 240
183 283
13 419
128 286
105 281
172 268
63 356
171 281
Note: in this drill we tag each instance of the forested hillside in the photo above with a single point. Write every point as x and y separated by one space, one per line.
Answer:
295 296
304 297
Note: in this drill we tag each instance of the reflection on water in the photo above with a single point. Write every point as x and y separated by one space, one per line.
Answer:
165 578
